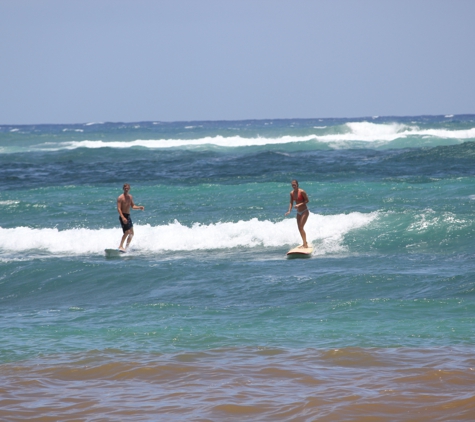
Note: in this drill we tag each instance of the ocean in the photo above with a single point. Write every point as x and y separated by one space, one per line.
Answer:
205 318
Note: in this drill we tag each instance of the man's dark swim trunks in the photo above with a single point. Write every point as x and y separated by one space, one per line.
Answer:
128 225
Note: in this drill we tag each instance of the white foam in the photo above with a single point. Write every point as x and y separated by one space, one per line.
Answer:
220 141
449 134
9 202
352 132
325 232
385 133
430 219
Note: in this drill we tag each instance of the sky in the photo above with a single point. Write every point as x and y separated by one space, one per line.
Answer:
79 61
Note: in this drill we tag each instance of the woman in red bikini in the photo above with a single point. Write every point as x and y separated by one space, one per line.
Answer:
301 199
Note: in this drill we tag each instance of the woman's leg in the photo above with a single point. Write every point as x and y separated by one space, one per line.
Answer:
301 220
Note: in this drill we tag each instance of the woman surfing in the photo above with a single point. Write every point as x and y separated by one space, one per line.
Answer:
301 199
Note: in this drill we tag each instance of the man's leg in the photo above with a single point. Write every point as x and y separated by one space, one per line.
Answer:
131 235
124 237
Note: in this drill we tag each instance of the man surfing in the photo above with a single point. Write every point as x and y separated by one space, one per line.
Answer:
124 203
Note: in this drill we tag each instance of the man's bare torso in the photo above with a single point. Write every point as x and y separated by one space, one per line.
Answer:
125 202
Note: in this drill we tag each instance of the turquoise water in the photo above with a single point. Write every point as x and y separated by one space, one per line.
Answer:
392 275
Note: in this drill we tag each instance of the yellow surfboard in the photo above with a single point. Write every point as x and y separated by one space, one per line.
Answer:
300 252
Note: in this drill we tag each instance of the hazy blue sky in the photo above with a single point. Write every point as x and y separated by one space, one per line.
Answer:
74 61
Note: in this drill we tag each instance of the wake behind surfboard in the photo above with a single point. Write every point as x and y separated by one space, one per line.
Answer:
300 252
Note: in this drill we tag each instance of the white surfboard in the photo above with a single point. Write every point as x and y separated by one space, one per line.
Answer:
300 252
113 253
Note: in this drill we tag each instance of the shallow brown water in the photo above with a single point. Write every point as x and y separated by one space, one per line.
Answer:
351 384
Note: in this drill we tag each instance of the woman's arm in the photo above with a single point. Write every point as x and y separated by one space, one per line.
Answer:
290 205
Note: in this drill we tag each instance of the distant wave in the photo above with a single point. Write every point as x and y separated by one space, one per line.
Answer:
326 232
346 135
373 132
219 141
364 134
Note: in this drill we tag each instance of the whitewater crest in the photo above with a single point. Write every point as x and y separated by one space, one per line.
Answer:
347 135
358 132
325 232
